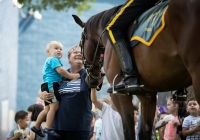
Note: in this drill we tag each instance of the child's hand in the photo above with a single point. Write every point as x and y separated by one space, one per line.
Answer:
97 88
18 135
175 123
26 133
77 75
164 123
197 128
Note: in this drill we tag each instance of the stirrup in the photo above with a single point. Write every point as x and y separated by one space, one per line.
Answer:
113 88
126 88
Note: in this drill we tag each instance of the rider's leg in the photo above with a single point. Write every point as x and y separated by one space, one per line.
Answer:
116 29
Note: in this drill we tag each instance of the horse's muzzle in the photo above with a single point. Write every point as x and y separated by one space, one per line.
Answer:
91 82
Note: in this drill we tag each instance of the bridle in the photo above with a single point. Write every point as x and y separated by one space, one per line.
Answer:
89 67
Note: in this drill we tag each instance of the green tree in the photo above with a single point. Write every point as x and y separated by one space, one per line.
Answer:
58 5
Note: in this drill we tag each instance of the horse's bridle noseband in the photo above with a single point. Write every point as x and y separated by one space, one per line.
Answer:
89 67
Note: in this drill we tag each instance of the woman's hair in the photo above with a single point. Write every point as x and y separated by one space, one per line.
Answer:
20 115
72 49
35 109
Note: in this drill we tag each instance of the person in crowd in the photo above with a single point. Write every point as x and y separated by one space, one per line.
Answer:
162 110
172 123
182 114
161 129
91 135
73 119
34 110
112 128
52 76
154 131
191 124
136 113
20 131
98 123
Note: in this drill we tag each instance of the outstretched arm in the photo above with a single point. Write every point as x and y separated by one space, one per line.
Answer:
96 102
187 132
66 74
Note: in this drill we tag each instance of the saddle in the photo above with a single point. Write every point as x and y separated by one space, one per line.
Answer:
149 25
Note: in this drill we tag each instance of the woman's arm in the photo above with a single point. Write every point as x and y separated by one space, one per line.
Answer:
96 102
187 132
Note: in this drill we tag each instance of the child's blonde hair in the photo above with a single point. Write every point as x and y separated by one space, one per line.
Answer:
52 43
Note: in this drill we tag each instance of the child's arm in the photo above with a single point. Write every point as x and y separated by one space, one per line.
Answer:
31 135
66 74
187 132
16 137
96 102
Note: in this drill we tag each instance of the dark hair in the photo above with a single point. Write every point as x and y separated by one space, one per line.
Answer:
135 107
35 109
192 98
20 115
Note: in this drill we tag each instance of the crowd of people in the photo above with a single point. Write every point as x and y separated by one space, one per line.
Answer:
67 110
66 113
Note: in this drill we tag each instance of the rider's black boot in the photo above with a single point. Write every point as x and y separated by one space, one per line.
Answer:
130 81
180 95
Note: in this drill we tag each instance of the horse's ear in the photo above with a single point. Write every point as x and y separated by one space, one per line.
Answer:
78 21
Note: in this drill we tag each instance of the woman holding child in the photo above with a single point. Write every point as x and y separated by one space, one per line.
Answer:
73 119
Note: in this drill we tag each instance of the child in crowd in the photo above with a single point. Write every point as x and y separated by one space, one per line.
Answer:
112 128
34 110
20 132
171 126
98 123
136 113
191 124
91 135
161 129
52 75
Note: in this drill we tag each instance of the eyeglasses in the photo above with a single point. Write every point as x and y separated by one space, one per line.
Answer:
76 52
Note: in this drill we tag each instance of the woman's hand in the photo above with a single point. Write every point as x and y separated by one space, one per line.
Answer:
45 96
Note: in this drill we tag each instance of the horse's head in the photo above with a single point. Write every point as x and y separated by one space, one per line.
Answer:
93 53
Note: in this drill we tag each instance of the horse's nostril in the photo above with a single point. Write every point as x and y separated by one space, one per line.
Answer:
92 83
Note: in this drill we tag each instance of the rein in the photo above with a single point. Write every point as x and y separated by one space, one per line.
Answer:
89 67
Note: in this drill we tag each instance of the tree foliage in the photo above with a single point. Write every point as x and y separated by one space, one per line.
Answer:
58 5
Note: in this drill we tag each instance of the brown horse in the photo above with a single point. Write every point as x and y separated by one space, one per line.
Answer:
170 63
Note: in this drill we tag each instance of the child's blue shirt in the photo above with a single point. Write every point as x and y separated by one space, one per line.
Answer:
50 74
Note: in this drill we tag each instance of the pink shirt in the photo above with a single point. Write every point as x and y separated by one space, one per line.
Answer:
170 131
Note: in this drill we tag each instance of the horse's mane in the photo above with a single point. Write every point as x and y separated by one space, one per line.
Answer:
104 17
